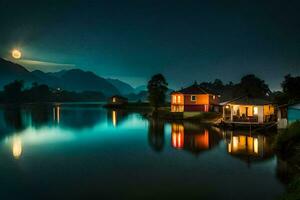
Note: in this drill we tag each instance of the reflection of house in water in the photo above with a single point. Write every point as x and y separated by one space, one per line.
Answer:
115 117
56 114
248 147
16 147
193 138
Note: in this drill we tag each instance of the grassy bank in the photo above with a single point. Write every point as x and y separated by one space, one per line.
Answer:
293 190
165 113
287 145
288 141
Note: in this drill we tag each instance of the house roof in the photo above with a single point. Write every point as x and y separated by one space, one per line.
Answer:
195 89
246 100
295 106
118 97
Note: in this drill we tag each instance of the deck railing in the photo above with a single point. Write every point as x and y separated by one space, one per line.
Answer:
242 118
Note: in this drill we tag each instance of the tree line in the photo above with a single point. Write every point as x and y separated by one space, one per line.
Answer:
249 85
157 87
15 93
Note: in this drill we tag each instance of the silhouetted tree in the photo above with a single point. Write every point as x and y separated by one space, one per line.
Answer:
280 97
13 92
290 87
216 86
157 88
156 134
252 86
38 93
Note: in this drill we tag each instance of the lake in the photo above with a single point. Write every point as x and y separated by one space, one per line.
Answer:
87 152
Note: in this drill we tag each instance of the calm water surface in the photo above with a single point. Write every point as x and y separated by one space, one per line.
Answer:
86 152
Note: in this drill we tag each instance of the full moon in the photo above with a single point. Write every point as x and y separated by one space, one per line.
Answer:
16 54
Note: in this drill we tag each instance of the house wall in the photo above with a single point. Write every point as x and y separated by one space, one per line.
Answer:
193 108
269 110
293 114
184 103
244 108
201 99
177 99
214 99
260 114
177 102
116 100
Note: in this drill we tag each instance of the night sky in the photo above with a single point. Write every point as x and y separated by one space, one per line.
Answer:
131 40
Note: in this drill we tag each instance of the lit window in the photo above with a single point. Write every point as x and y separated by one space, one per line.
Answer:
214 97
255 145
255 110
193 98
114 99
178 99
174 99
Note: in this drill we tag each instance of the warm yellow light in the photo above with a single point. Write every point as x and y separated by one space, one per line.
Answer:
114 100
255 110
17 147
255 145
16 54
114 118
58 114
227 107
174 99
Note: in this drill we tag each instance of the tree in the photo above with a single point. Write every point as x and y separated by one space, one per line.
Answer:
37 93
290 87
252 86
13 92
157 88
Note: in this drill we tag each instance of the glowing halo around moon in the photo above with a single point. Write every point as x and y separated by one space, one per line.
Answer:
16 54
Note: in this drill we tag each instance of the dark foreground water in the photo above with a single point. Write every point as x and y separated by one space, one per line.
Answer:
72 152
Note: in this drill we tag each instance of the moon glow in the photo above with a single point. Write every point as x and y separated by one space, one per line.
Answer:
16 54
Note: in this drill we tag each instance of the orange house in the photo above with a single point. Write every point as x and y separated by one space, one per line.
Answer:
194 99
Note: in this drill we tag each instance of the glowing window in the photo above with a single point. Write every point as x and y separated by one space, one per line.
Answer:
174 99
214 97
193 98
178 99
255 110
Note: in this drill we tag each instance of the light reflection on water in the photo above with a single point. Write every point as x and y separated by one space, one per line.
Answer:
122 147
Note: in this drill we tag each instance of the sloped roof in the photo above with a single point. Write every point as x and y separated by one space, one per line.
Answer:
118 97
295 105
246 100
291 105
195 89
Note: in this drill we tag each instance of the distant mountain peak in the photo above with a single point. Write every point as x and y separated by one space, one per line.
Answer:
123 87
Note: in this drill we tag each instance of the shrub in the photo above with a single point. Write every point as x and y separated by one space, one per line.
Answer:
286 140
293 190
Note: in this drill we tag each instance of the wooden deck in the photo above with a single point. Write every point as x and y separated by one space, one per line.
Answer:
233 124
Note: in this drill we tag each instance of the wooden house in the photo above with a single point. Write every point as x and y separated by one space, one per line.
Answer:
194 99
246 110
117 100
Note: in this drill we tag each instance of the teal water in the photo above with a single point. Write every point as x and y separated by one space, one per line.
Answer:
87 152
